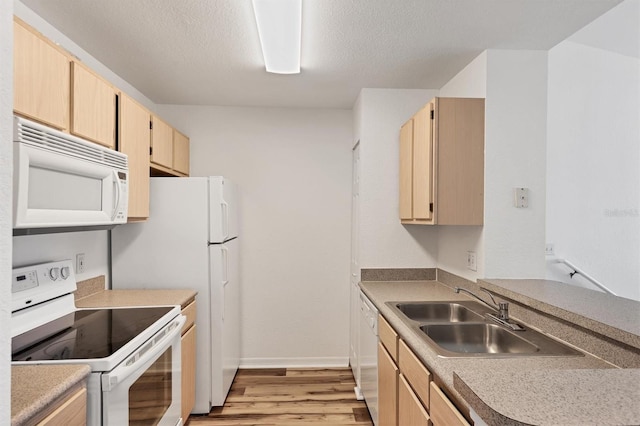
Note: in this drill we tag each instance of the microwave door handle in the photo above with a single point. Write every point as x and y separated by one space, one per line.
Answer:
122 371
116 204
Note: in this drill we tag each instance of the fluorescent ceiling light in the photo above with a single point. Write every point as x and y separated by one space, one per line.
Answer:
279 28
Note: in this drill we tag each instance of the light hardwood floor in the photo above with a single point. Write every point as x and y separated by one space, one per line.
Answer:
287 397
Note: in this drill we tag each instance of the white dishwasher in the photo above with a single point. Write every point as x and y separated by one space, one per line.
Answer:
369 355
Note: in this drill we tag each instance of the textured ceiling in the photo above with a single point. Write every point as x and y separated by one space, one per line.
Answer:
207 52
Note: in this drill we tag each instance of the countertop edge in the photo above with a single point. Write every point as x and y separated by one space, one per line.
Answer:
78 373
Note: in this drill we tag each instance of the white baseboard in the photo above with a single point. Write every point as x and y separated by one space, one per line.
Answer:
329 362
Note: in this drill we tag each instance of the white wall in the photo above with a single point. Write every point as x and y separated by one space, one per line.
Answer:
31 249
455 241
384 242
515 156
293 168
511 242
593 196
6 156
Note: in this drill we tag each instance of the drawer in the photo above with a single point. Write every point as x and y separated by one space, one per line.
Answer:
415 372
410 409
443 412
388 337
190 312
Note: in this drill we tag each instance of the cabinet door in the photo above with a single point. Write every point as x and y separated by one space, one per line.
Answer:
406 170
134 141
161 143
180 152
93 107
423 143
72 412
410 410
188 354
387 389
443 412
40 78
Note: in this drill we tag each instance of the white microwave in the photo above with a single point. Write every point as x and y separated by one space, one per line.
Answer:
60 180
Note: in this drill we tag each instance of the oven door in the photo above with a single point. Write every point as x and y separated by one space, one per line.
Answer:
145 389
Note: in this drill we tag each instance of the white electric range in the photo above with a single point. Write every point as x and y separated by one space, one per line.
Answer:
134 353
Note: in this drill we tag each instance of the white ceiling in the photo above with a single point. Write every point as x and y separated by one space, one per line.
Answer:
207 52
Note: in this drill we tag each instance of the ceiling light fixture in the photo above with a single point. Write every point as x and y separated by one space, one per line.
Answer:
279 28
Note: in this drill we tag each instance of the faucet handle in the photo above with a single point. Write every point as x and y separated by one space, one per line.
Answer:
504 310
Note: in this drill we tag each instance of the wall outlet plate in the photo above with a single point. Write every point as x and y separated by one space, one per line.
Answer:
80 263
471 260
521 197
549 249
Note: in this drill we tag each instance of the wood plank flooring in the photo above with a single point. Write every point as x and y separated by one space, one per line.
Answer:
289 397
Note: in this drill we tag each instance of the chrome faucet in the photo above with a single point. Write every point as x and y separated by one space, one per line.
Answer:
501 308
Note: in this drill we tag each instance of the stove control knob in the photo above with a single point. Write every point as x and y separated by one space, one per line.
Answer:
64 272
54 273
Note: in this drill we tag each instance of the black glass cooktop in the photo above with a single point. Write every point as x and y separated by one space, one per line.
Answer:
86 334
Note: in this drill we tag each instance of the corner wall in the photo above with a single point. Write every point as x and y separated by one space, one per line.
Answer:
515 156
6 167
593 196
510 244
455 241
384 242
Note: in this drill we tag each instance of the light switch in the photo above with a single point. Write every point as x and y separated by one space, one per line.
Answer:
521 197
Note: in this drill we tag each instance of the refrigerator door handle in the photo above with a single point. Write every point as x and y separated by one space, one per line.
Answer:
224 252
225 219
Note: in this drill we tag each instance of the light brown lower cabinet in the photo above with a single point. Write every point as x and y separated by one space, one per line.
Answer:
188 355
71 412
407 393
443 412
410 409
387 388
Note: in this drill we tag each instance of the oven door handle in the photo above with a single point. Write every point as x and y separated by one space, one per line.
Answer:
146 353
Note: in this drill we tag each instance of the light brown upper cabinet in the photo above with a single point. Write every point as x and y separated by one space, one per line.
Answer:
180 152
133 140
169 150
93 106
442 163
40 78
161 143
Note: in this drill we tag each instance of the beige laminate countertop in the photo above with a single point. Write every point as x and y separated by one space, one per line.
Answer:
142 297
507 391
35 388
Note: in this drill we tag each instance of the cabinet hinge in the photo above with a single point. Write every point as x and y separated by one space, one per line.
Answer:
151 124
431 204
432 114
150 150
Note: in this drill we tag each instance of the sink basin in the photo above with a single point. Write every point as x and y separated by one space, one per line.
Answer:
460 328
491 340
441 311
480 338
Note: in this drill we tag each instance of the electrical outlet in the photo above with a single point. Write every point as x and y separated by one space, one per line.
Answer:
549 249
521 200
80 264
471 260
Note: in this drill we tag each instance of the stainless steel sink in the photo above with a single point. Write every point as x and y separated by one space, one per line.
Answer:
480 338
462 329
440 312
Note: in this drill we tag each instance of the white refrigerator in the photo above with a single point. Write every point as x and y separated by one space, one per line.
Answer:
191 241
